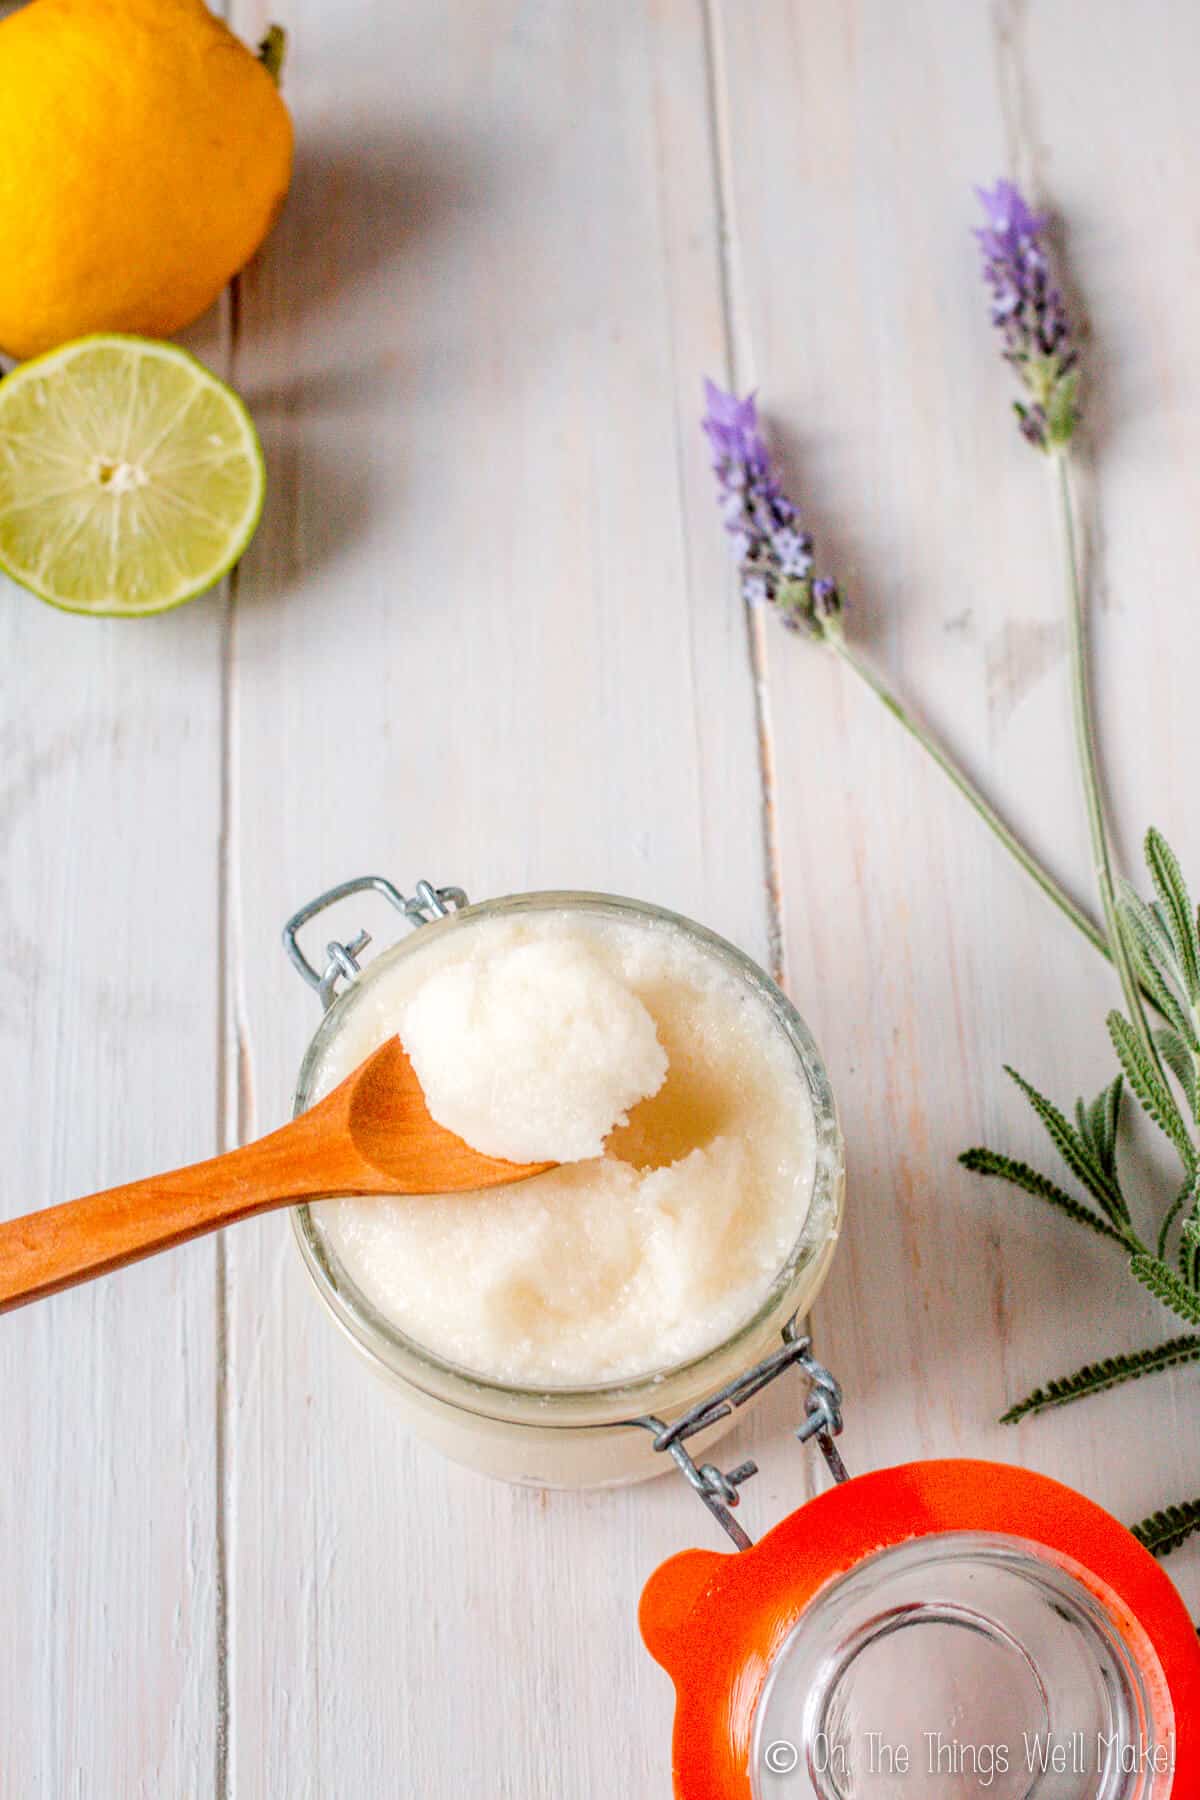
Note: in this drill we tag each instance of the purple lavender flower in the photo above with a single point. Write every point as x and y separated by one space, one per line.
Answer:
1031 315
775 557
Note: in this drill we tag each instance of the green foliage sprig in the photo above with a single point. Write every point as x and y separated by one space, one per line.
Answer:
1164 1531
1162 938
1097 1378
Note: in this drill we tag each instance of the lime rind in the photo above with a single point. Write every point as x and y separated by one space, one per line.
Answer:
131 477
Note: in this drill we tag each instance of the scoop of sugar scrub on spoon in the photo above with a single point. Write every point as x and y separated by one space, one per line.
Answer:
539 1050
372 1135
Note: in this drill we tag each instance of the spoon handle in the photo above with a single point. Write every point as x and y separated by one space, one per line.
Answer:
62 1245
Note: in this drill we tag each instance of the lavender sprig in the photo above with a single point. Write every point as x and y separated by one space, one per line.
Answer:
1039 343
775 562
1031 315
775 557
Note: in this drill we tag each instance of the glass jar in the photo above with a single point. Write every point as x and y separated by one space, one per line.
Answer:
955 1630
556 1437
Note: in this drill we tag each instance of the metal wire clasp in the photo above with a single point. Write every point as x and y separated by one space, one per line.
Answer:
342 960
822 1419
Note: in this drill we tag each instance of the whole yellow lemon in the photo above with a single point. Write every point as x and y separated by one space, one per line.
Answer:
144 153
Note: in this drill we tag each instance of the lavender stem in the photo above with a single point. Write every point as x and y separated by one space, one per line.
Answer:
1085 738
971 794
777 570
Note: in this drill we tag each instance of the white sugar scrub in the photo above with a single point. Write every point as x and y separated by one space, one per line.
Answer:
559 1035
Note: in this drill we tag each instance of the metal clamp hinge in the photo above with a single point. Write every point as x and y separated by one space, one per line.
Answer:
342 959
822 1420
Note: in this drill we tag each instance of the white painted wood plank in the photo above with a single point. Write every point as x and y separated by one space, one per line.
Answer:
852 139
108 1060
474 642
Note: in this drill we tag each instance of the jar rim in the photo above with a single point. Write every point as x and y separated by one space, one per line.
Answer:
848 1620
383 1342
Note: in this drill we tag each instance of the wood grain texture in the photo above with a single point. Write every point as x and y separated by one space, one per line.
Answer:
488 634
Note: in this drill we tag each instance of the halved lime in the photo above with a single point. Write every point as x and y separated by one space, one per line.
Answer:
131 479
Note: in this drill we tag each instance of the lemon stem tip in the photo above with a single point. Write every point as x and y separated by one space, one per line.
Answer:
272 51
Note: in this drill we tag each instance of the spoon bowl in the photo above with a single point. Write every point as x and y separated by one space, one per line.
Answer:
392 1131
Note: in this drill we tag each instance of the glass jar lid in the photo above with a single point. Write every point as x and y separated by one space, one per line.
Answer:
945 1629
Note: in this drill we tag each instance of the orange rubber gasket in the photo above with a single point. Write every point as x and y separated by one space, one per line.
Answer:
715 1620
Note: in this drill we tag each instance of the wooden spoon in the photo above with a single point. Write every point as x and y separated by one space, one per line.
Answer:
371 1135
